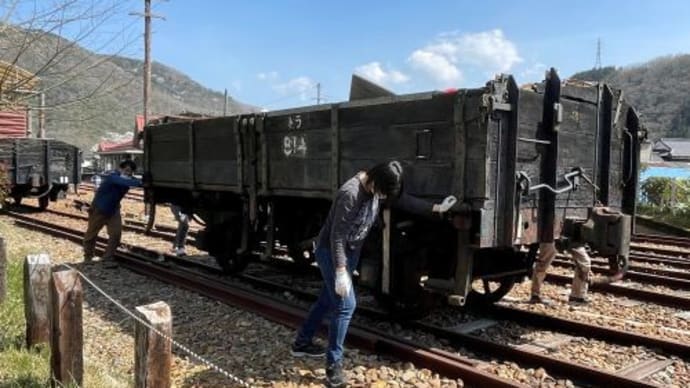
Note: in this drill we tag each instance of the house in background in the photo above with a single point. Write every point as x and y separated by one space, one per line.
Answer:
20 102
109 154
672 149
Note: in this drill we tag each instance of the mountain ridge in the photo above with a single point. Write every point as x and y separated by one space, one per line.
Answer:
658 89
93 96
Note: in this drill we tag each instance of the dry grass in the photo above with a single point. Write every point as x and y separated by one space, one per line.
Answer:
20 367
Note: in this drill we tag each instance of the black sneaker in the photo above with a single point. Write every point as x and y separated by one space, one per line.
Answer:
308 350
577 301
335 376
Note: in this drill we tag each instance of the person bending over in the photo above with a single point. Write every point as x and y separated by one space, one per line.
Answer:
338 247
105 211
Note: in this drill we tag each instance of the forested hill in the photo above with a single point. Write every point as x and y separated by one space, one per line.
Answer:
89 95
659 90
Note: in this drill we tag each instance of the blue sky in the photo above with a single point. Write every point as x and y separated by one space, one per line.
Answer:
273 53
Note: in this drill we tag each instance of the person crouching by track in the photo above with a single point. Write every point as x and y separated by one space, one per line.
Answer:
583 263
105 211
352 214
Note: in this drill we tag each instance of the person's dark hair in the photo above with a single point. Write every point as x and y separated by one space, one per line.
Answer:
386 177
128 163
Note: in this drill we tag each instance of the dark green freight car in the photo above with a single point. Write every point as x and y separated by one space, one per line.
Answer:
554 160
39 168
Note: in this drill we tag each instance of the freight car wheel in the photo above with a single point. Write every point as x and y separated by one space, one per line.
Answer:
302 254
485 292
406 309
407 299
224 245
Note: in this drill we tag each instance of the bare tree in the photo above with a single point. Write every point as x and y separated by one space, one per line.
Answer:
42 48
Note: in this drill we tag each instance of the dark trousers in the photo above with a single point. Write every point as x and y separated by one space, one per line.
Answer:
97 220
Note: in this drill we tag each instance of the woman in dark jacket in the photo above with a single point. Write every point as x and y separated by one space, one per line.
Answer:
338 246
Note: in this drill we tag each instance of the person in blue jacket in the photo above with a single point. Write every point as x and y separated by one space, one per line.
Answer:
105 210
352 214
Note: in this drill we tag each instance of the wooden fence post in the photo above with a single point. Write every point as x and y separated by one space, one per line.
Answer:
153 352
37 298
66 358
3 270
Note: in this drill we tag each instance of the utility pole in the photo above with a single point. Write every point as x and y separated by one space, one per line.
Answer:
225 102
597 63
42 116
318 93
147 58
147 54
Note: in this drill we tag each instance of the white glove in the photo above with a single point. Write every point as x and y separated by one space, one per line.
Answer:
447 203
343 283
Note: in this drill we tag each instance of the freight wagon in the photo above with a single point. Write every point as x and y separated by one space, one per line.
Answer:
39 168
555 160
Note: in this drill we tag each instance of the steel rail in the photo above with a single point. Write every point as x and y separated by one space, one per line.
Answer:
437 360
674 301
444 363
642 277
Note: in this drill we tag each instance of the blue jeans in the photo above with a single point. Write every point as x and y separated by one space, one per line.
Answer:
182 226
329 304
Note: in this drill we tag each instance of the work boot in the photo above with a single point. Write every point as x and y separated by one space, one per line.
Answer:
308 350
538 299
578 301
335 377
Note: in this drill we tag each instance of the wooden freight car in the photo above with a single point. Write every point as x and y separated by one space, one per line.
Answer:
39 168
522 163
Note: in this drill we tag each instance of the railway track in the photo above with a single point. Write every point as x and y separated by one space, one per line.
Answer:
179 272
643 275
662 240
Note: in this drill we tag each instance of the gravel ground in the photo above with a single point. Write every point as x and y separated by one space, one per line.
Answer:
242 343
614 311
273 366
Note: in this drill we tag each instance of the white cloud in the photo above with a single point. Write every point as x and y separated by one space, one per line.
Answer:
376 73
490 52
436 65
533 73
270 76
300 86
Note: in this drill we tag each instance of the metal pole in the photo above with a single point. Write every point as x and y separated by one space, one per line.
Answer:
147 58
29 122
225 102
318 93
42 117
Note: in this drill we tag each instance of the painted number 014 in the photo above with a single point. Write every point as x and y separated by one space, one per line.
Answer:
294 146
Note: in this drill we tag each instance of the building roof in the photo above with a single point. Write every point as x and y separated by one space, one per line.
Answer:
12 124
14 77
672 148
107 146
